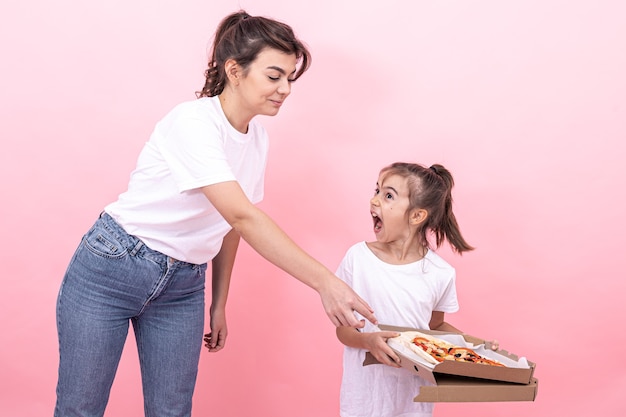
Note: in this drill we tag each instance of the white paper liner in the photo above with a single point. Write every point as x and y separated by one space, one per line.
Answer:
457 340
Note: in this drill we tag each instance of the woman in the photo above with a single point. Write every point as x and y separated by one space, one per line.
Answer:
188 202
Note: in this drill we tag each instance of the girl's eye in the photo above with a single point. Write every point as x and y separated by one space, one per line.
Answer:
376 191
388 196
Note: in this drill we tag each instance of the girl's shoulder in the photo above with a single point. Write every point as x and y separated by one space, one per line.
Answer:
436 260
358 249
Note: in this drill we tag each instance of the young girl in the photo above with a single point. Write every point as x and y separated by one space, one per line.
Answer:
406 283
188 202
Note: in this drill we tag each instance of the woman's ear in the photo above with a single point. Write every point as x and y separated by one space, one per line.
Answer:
233 71
418 216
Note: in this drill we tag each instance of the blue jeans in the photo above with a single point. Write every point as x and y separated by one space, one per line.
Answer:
114 279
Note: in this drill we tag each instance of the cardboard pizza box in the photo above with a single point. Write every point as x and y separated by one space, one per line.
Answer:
450 388
467 382
522 374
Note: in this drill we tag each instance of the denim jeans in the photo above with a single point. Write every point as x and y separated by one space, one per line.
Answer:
114 279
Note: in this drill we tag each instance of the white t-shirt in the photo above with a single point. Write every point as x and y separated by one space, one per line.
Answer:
401 295
193 146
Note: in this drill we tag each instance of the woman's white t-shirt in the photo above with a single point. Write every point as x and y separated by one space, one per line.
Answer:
193 146
400 295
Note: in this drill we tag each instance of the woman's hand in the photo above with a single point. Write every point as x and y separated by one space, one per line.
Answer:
270 241
340 302
216 340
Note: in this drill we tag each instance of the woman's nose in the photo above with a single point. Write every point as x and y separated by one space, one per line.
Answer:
284 87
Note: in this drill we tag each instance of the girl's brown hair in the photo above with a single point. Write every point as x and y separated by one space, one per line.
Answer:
242 37
431 189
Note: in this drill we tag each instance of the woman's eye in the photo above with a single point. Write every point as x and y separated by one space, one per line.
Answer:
274 78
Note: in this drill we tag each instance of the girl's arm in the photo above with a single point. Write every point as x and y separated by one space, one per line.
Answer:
222 268
437 322
260 231
373 342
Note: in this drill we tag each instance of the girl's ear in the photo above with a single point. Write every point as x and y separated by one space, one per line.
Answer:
418 216
233 71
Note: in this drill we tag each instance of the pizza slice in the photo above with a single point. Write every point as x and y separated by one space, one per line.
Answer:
435 350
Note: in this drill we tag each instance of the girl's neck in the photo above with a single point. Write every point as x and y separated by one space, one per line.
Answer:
397 253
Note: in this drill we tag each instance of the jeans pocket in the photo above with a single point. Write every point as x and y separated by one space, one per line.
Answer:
102 242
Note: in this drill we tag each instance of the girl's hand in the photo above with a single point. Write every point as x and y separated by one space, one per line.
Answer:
493 344
376 344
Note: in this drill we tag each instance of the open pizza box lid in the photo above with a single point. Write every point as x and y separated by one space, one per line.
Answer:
467 382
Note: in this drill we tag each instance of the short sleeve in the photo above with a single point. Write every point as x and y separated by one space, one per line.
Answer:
344 270
448 302
193 149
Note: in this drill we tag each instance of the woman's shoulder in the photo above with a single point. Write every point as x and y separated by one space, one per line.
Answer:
204 107
209 110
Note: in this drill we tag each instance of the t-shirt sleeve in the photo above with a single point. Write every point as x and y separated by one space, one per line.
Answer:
194 152
257 193
344 270
448 302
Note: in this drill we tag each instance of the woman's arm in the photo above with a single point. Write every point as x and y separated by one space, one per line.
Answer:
222 268
271 242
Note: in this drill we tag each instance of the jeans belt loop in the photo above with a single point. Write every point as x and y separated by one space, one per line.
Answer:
136 248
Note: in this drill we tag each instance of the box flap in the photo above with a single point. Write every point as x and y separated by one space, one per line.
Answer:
413 367
459 389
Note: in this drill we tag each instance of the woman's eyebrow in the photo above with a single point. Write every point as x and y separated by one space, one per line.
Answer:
279 69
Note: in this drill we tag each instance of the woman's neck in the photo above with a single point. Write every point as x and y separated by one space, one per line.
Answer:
233 111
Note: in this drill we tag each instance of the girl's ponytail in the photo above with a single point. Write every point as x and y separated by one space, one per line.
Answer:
431 190
448 228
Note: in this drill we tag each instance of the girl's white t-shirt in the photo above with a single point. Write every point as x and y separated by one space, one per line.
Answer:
400 295
193 146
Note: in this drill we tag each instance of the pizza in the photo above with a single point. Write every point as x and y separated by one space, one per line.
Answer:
435 350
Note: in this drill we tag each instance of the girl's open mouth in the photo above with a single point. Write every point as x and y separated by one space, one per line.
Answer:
378 224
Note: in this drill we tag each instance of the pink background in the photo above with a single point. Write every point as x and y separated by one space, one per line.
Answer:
522 100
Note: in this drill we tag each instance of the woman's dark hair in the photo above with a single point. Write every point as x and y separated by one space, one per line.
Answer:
242 37
431 189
